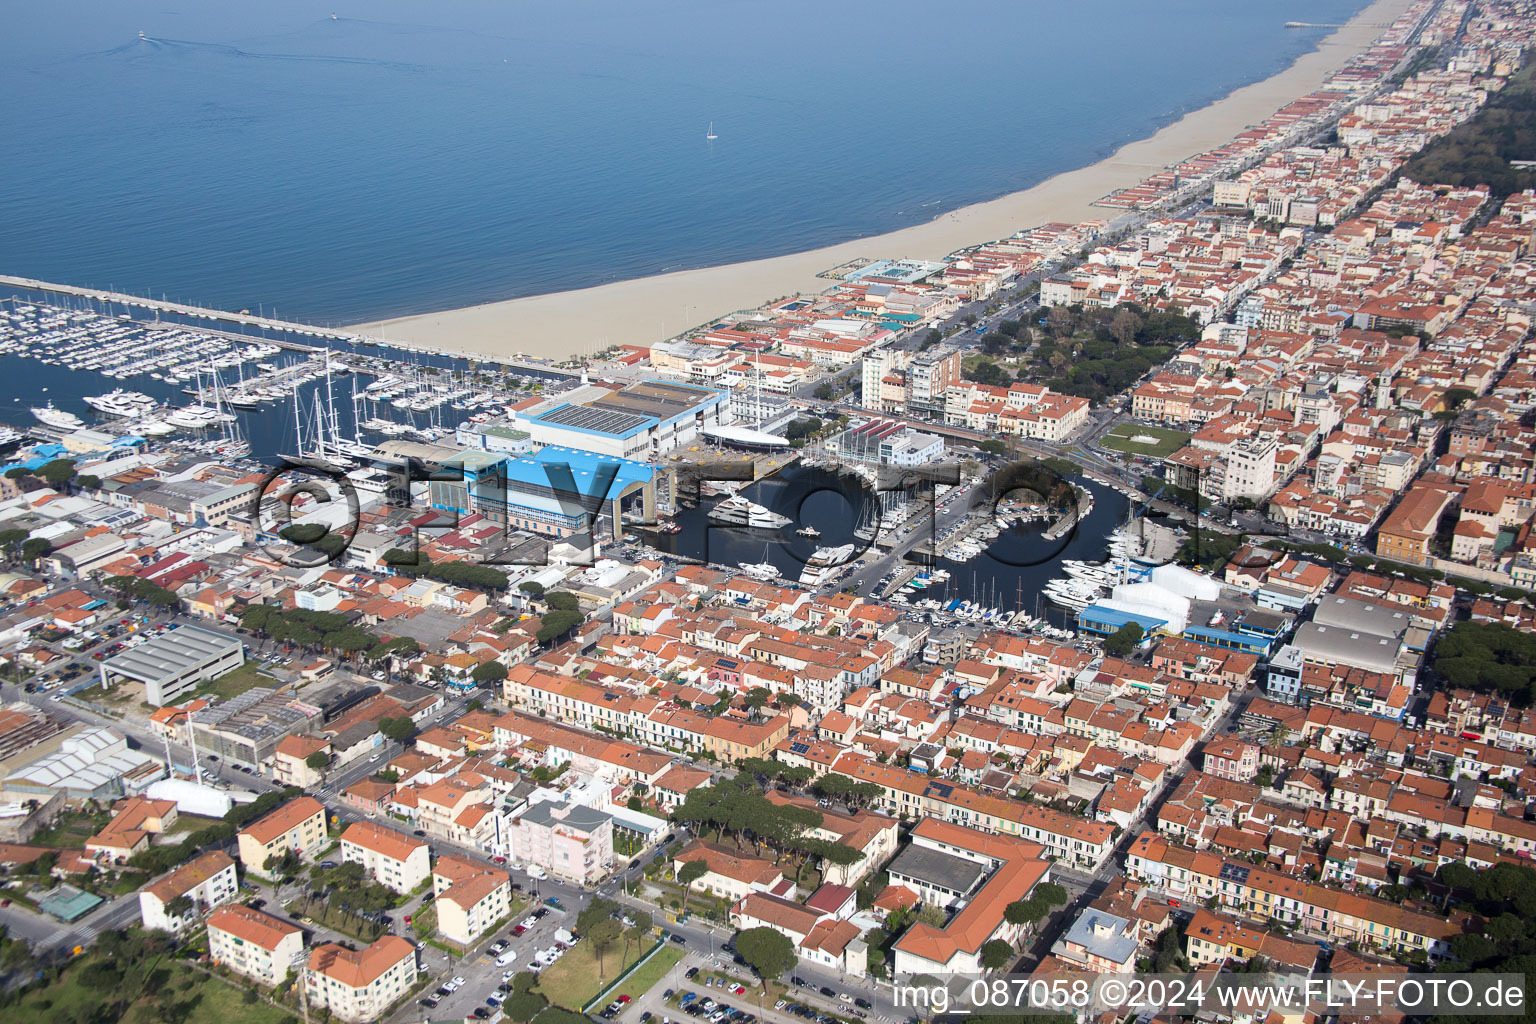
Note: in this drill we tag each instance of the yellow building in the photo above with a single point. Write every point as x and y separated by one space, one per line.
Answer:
298 825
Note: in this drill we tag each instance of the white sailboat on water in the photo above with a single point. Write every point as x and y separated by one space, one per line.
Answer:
709 133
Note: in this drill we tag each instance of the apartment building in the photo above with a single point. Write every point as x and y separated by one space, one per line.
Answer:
290 761
471 897
252 944
457 808
391 858
360 985
297 826
206 881
571 841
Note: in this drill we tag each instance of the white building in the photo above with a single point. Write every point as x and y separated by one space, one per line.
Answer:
360 985
207 881
1250 468
259 946
391 858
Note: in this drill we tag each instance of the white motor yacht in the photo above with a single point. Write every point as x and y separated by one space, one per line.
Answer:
738 511
57 418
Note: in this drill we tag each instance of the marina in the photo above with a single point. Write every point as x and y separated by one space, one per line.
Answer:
998 575
230 395
202 389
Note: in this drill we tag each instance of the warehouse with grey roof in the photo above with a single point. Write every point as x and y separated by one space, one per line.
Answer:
174 664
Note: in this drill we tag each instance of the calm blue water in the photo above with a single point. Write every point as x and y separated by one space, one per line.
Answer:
405 157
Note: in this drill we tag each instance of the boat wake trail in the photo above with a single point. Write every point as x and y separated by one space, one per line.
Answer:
237 53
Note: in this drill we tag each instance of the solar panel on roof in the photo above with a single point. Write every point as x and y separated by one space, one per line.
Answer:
592 417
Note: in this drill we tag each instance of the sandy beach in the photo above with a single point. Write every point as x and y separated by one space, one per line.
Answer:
649 309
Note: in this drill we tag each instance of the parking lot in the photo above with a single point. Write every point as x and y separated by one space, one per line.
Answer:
694 1000
474 982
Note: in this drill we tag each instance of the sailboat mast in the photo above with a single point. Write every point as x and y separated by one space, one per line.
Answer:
330 407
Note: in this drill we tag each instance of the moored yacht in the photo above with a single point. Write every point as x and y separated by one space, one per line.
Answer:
120 403
57 418
824 563
738 511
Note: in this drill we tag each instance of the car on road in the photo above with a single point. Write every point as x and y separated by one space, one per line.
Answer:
674 937
828 992
863 1004
844 997
429 1002
520 929
458 982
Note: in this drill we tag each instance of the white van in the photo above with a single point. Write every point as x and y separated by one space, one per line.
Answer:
506 958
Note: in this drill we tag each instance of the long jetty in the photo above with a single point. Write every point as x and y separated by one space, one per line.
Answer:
182 309
247 319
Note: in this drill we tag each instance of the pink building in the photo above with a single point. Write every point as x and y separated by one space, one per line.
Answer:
1228 757
572 842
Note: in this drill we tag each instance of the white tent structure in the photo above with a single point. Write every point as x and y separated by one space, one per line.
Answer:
1186 582
1153 601
190 797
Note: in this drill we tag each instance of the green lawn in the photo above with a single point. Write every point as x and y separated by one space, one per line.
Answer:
425 920
216 1002
652 971
206 1000
186 823
236 682
573 979
336 918
1167 441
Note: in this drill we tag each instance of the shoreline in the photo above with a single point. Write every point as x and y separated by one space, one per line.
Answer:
645 310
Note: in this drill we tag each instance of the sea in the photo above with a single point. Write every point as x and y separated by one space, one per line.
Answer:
335 164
